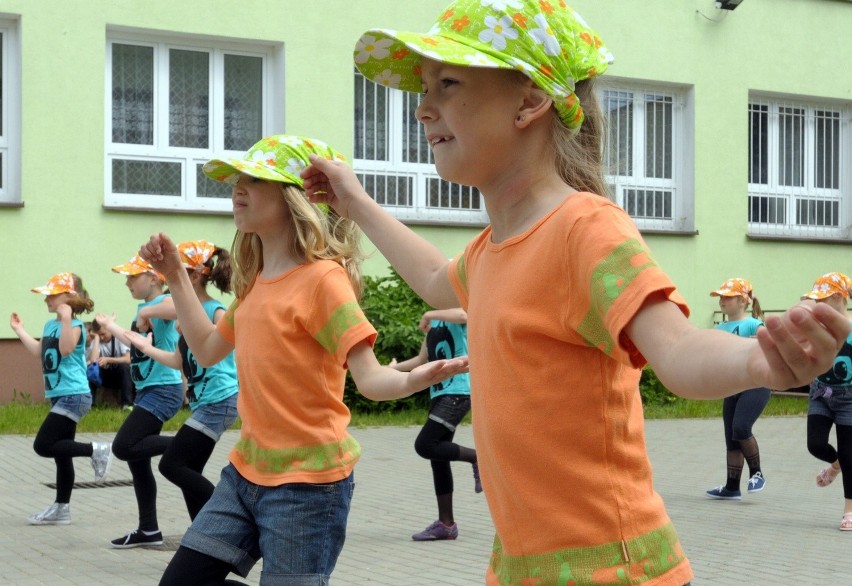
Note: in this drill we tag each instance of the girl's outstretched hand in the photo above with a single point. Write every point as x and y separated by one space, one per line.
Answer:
104 319
333 183
16 322
798 346
162 253
141 341
432 373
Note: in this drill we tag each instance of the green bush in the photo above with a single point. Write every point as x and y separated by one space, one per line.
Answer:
652 390
394 310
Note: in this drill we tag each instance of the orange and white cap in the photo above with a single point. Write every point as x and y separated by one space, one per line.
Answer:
136 266
735 287
195 253
58 283
830 284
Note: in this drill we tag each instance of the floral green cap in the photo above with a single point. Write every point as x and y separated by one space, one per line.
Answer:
280 157
544 39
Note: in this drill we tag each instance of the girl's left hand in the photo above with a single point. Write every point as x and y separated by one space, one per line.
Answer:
162 253
432 373
63 311
798 346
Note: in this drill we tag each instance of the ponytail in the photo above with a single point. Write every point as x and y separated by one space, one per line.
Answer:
756 311
220 270
80 302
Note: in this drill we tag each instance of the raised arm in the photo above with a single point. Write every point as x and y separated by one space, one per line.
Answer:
165 309
412 363
69 336
208 346
143 343
422 265
32 345
381 383
706 364
108 322
455 315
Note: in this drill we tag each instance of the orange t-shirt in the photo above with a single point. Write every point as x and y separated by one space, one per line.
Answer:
292 335
559 428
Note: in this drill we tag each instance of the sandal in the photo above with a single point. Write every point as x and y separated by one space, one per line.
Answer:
846 522
826 476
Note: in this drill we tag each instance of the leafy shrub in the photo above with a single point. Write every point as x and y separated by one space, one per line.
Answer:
394 310
652 390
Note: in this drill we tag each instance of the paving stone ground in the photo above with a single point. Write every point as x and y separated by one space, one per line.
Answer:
785 535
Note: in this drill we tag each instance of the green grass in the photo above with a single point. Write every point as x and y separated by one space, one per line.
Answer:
782 406
23 417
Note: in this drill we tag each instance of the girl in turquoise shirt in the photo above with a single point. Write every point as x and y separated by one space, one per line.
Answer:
212 391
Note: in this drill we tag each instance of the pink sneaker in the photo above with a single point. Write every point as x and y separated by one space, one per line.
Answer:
436 531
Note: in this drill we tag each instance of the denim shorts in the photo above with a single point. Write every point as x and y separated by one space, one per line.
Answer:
74 407
298 529
162 401
212 420
449 410
837 406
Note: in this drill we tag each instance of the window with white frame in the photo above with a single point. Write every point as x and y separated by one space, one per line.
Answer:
648 160
798 172
10 114
173 104
395 165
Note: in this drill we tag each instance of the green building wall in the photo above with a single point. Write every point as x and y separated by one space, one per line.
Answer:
796 47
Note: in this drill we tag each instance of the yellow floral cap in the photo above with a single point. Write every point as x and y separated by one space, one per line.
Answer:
546 40
58 283
194 253
136 266
830 284
735 287
275 158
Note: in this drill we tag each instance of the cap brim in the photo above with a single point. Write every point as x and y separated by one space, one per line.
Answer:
397 65
229 170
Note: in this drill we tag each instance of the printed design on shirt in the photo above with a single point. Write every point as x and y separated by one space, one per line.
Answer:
650 555
301 459
609 279
841 371
230 313
140 364
50 359
343 318
461 272
440 345
196 382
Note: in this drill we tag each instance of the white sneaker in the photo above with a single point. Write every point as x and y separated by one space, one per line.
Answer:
101 459
55 514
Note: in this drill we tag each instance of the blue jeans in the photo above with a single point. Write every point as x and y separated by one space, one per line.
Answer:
298 529
163 401
212 420
74 407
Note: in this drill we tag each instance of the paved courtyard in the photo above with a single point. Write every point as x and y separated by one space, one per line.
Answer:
786 535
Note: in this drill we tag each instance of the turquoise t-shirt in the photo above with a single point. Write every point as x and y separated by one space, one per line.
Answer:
746 328
214 383
840 374
145 371
63 375
448 340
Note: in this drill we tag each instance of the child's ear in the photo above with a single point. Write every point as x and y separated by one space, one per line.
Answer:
535 105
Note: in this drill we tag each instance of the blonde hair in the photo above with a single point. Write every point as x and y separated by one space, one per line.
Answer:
314 236
578 153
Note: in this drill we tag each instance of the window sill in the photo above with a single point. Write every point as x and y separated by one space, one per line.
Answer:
11 204
656 232
152 209
791 238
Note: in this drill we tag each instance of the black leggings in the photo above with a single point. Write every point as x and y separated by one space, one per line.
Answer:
819 427
136 442
435 440
739 412
183 464
193 567
55 439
